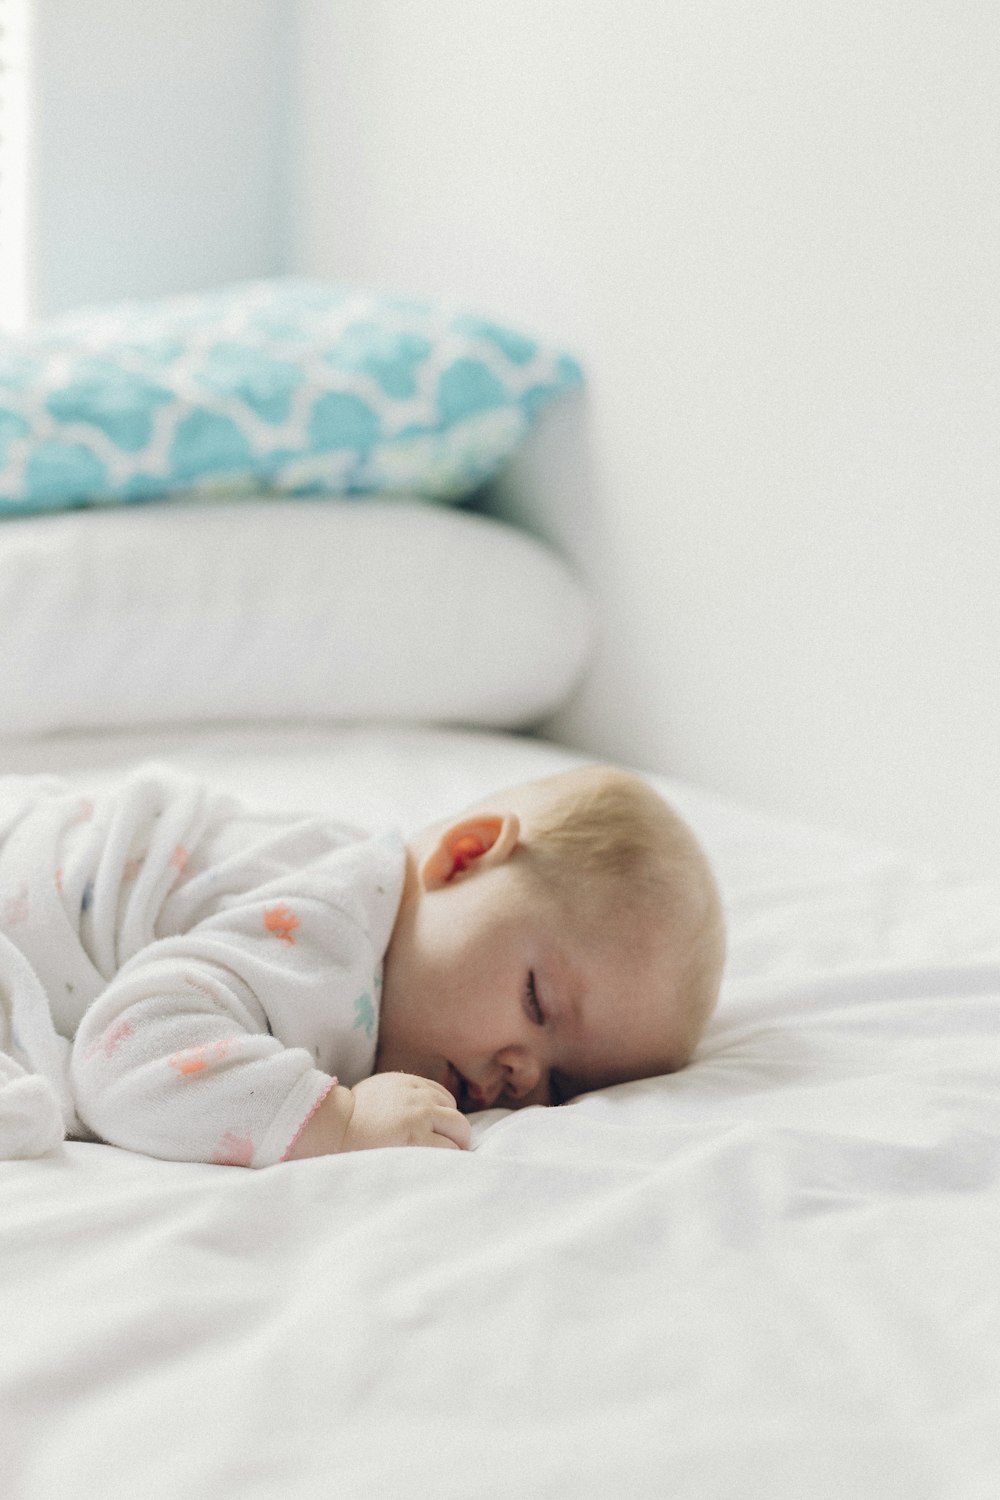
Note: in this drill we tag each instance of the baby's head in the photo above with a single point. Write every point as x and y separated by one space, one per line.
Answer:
562 935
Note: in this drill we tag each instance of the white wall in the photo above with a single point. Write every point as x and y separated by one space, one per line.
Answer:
771 232
13 163
160 146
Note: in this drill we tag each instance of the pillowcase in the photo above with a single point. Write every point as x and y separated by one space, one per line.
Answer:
289 385
283 609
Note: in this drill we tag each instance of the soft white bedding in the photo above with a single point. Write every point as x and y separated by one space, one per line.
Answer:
773 1274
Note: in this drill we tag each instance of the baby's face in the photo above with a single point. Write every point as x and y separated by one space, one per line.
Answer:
490 992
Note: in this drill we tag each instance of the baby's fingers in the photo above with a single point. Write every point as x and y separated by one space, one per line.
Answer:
445 1096
451 1128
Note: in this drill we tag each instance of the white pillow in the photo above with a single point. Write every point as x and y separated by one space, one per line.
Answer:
282 609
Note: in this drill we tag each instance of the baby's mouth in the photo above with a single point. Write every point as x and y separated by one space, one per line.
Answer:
469 1096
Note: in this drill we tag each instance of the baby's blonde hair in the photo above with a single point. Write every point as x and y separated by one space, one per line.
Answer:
604 840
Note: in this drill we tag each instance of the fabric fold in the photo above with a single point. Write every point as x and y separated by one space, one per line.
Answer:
36 1108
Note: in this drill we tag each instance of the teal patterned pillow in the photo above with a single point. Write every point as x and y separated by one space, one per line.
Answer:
288 385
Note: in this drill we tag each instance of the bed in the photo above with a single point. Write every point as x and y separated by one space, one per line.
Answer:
772 1274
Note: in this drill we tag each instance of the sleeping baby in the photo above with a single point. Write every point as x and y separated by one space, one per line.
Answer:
186 977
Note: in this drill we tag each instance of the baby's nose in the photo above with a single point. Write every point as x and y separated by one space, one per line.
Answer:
521 1073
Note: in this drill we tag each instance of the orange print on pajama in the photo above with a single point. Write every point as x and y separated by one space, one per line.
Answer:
282 922
197 1059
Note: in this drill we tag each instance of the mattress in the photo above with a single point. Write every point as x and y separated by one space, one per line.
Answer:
771 1274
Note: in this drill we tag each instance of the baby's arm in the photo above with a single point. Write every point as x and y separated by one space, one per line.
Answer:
218 1043
389 1109
175 1059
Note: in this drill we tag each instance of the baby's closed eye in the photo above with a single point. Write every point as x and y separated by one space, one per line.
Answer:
532 1004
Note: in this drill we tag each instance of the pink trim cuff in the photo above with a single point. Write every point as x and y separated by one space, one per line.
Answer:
305 1122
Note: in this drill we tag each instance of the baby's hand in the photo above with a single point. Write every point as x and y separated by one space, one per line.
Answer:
400 1109
390 1109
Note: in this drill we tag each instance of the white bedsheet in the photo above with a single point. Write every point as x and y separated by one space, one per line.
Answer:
774 1274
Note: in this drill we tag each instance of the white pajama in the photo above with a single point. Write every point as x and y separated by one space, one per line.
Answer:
190 976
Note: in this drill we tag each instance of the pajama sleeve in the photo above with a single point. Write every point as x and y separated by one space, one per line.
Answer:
209 1046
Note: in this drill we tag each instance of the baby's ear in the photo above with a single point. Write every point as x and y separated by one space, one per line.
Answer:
477 843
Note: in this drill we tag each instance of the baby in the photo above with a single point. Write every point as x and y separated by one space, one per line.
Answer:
199 981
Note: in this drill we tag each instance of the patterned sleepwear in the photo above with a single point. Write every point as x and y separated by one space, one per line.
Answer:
213 969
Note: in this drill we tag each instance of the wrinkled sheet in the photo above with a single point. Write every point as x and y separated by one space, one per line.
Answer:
774 1274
